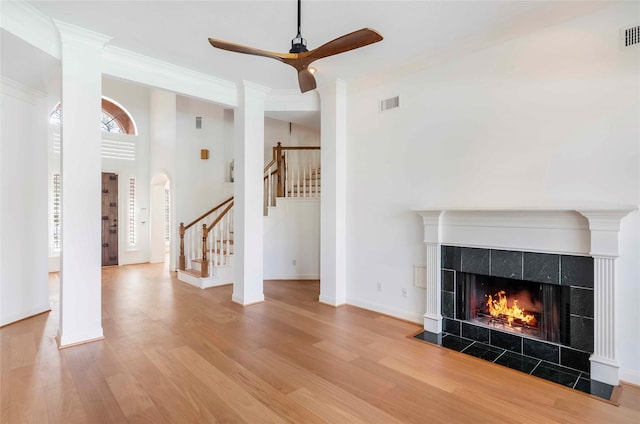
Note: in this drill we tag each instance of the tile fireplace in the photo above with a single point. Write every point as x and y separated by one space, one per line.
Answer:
526 286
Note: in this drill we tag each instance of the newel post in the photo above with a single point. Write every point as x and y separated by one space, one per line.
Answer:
181 260
278 149
204 266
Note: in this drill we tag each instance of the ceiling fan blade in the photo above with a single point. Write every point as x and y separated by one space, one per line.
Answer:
360 38
239 48
306 80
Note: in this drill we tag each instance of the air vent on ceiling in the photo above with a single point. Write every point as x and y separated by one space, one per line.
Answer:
391 103
631 36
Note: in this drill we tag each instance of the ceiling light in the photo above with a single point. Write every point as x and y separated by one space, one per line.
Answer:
312 70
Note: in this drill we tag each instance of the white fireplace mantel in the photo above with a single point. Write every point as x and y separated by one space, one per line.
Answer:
588 230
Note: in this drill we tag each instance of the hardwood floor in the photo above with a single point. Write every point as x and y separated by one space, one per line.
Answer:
177 354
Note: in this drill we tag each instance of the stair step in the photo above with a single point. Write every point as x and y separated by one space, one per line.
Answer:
308 190
306 185
192 272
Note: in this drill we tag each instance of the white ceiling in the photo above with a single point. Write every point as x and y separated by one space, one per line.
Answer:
414 31
177 31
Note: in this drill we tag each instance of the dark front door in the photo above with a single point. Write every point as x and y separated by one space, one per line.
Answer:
109 219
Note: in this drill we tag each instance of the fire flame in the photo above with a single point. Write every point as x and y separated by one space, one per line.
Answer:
500 308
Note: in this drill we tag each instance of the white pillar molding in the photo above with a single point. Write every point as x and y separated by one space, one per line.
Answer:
333 140
432 240
80 286
605 228
248 194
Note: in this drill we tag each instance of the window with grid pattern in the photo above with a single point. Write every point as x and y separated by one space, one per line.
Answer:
56 239
132 212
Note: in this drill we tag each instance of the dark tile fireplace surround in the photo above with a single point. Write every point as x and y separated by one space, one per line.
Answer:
565 361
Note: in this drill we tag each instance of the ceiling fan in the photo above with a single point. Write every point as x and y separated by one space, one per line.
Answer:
300 57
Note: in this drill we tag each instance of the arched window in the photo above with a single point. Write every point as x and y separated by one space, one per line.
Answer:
117 126
115 119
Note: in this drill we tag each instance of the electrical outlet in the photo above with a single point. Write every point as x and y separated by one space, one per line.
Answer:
404 292
294 262
379 286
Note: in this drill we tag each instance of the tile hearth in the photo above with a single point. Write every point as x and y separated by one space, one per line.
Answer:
575 379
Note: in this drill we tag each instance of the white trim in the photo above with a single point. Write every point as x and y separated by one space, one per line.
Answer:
74 35
292 100
20 91
292 277
630 376
67 340
25 314
331 301
149 71
31 25
418 319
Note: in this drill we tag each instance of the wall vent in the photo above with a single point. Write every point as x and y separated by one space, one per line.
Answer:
198 122
391 103
631 36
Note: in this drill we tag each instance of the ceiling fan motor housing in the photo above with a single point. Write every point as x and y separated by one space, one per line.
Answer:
298 45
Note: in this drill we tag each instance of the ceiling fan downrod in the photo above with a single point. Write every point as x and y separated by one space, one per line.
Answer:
298 44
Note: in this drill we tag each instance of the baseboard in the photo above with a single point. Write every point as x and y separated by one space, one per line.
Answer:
31 312
331 301
630 376
246 301
292 277
69 340
54 264
418 319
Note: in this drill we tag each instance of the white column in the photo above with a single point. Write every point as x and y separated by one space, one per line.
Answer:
80 287
248 194
333 140
605 228
432 240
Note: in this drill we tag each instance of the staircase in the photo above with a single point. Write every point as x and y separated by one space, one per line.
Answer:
206 244
206 248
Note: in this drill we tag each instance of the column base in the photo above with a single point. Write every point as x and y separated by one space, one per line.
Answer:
332 301
433 323
247 301
68 340
605 370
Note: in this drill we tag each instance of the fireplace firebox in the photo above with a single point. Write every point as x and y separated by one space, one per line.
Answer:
536 304
531 309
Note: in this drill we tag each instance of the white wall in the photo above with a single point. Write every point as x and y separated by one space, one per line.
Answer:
162 161
548 118
200 184
278 131
23 203
292 233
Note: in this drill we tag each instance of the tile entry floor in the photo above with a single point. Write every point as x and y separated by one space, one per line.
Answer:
574 379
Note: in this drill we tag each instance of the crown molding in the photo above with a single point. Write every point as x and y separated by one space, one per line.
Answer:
29 24
20 91
74 34
148 71
292 100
